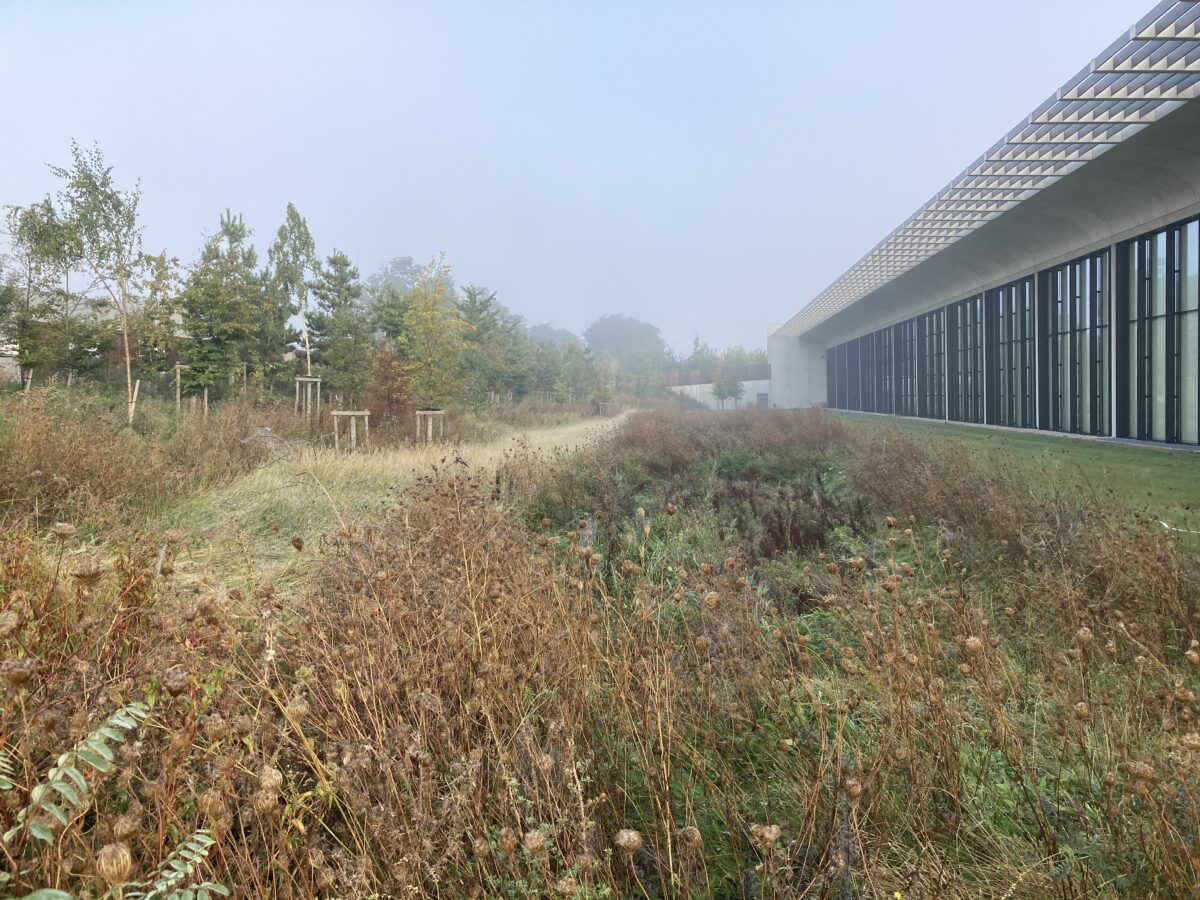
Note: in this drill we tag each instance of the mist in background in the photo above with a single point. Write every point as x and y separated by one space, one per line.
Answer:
706 167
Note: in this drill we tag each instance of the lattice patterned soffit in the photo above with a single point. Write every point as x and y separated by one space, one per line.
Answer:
1143 76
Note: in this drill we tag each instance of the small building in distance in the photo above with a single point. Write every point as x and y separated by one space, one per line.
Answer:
701 385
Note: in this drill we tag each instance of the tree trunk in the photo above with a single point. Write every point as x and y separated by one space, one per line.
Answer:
128 362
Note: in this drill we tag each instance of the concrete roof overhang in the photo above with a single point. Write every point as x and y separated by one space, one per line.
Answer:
1116 150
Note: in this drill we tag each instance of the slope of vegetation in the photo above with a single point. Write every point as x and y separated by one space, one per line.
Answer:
736 655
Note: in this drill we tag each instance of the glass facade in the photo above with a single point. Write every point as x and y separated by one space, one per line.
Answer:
1061 350
1008 323
965 358
1158 353
1075 314
931 365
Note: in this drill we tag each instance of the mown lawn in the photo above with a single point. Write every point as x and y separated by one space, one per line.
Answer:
1164 481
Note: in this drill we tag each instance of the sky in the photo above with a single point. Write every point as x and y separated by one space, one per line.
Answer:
707 167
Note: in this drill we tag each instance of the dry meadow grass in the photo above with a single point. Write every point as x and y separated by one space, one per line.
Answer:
738 655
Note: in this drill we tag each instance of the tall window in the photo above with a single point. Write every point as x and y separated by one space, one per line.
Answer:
884 371
965 356
904 342
866 355
1010 338
1076 319
931 370
1160 345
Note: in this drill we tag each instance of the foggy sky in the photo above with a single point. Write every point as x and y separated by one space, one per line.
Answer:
708 167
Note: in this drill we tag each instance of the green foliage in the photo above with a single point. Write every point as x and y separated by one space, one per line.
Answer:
221 307
434 339
176 870
340 328
105 240
727 386
65 781
293 257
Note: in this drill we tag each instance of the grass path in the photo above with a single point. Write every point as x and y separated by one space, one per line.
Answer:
244 529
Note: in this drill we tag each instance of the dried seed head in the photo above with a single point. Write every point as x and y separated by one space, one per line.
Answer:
63 530
1190 742
973 644
265 802
628 841
890 521
1083 636
1141 771
215 728
298 709
298 543
175 681
854 788
507 838
831 568
1082 712
126 826
534 841
270 779
174 536
113 863
16 673
87 571
712 600
689 837
765 836
671 509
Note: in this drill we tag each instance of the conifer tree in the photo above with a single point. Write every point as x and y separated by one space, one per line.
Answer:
221 307
340 328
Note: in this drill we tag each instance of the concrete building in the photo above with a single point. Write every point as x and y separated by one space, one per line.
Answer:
1053 283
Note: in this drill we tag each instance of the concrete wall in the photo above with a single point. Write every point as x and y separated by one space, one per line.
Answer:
703 393
797 371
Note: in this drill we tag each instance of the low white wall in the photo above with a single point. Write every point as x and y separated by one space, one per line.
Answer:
8 369
703 393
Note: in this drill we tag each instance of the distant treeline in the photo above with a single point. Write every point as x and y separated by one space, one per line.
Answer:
81 298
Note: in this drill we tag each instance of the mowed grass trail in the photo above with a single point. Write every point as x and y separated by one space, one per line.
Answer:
1164 482
244 530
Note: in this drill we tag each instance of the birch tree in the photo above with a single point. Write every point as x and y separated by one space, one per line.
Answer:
103 221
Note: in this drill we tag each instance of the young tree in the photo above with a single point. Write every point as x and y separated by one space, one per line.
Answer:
103 223
53 327
340 328
727 386
159 337
221 303
434 338
293 257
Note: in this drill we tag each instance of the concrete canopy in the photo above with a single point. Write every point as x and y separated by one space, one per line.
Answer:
1114 151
